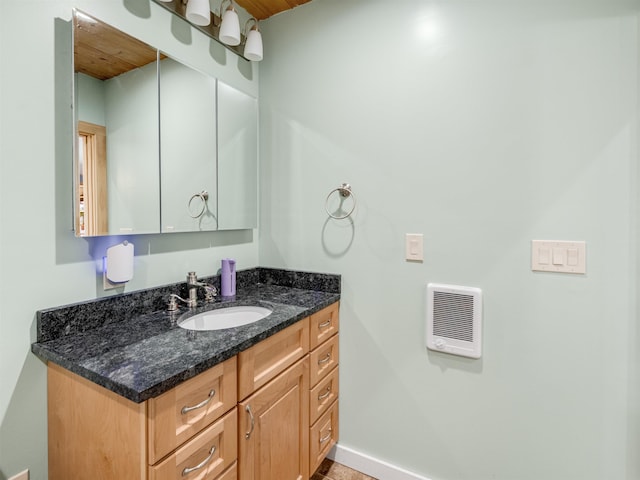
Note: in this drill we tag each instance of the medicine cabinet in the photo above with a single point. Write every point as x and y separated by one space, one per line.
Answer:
159 147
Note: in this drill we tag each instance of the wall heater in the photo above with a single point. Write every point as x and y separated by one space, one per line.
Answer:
454 320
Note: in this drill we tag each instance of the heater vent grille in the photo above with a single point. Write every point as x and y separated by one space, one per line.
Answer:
454 319
453 316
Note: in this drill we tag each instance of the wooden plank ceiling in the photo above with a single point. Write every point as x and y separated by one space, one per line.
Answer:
103 52
262 9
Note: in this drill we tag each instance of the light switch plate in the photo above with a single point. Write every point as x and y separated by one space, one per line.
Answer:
559 256
414 248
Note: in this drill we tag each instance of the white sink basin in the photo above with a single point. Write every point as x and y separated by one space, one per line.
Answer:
224 318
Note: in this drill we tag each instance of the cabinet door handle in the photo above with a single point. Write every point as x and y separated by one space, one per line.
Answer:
326 394
188 470
325 359
324 325
200 405
248 409
326 437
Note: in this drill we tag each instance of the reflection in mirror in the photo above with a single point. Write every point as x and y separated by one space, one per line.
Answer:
237 159
188 172
116 117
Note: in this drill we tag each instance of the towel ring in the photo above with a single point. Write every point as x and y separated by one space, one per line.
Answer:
344 191
204 196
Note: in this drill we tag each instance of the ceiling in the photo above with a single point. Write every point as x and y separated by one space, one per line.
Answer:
104 52
261 9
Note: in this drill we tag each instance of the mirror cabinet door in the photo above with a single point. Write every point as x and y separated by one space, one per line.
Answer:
237 159
116 118
188 147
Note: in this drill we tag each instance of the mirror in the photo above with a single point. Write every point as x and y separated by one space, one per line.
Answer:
237 158
160 147
188 148
116 117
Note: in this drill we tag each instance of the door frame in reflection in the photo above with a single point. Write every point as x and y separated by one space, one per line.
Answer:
92 211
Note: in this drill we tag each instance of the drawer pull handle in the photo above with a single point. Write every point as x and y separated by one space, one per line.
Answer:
326 394
188 470
324 325
326 437
248 409
326 359
200 405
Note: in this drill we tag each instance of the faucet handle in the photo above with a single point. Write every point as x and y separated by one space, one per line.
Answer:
172 306
210 293
192 278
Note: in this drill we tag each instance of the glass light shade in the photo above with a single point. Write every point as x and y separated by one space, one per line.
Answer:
253 47
198 12
230 28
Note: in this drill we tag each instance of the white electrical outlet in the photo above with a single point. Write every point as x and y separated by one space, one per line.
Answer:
21 476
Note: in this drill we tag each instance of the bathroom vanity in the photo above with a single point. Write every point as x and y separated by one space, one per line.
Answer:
141 397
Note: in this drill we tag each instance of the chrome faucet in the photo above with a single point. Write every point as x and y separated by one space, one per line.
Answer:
193 284
192 300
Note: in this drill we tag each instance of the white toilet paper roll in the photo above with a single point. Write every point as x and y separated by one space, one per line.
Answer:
120 262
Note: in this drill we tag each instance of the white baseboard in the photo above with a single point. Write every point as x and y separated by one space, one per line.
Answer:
370 466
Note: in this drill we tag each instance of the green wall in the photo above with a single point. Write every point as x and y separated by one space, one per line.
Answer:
42 264
482 125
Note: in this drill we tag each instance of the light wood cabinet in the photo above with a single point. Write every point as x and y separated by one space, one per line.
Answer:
324 383
274 428
180 413
95 433
262 362
207 455
323 435
270 413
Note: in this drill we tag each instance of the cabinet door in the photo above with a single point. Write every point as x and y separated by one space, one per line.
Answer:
274 428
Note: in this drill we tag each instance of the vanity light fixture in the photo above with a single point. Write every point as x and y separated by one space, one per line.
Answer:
224 29
230 25
198 12
253 41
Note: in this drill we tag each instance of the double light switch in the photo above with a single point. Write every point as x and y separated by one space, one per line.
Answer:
558 256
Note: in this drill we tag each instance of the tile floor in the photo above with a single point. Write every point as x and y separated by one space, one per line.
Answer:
330 470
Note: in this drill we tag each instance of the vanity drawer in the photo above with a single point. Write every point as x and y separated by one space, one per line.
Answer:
231 473
323 325
323 395
266 359
207 455
323 435
178 414
323 359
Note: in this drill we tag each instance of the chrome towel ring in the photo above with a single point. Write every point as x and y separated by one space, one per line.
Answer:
204 196
344 191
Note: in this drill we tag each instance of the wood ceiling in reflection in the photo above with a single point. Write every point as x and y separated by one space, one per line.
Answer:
103 52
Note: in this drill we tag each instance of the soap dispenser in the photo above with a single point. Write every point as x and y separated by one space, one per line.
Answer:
228 278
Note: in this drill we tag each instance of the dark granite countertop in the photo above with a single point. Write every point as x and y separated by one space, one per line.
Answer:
144 354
